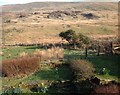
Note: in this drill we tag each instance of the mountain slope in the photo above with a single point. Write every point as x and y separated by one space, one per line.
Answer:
60 5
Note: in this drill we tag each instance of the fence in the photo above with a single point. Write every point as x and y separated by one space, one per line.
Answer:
104 47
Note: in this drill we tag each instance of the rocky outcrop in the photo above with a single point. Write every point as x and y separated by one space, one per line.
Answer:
73 14
62 14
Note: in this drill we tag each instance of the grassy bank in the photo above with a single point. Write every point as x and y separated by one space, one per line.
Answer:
46 73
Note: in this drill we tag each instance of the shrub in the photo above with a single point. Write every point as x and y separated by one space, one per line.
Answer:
75 39
68 35
19 67
82 69
83 39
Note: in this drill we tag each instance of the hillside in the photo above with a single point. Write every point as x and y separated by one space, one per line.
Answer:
41 22
60 6
36 60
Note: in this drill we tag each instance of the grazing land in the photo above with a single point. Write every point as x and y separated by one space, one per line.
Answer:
42 24
36 59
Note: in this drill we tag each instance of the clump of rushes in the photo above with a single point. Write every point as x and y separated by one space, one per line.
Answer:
23 54
52 53
82 69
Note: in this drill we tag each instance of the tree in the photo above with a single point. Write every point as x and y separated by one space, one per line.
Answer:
74 39
68 35
84 39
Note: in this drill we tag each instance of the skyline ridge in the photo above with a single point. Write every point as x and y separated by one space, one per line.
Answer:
6 2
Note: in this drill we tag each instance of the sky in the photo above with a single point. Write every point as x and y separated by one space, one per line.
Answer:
4 2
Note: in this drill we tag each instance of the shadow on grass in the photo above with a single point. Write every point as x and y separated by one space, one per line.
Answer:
62 88
41 46
35 47
58 73
110 62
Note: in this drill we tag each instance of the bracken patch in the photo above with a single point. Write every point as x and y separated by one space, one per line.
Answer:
19 67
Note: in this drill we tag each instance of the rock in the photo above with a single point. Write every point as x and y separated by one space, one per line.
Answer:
89 16
1 53
95 80
7 21
62 14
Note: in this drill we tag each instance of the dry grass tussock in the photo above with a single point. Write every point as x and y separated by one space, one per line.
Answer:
23 54
19 67
52 53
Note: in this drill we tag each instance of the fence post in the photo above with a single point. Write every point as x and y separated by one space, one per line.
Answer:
86 51
46 46
111 45
61 45
98 52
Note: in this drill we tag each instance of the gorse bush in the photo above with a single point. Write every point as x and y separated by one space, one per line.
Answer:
19 67
82 69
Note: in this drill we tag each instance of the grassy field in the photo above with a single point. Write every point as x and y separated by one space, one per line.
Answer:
42 76
46 73
35 28
111 62
39 29
15 51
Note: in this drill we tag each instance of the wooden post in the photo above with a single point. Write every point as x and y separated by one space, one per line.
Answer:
86 50
111 45
74 46
98 52
46 46
61 45
53 45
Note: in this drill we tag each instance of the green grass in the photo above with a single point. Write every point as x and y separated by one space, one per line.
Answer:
44 74
15 51
110 62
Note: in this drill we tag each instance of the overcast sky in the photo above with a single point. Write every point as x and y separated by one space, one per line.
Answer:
3 2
